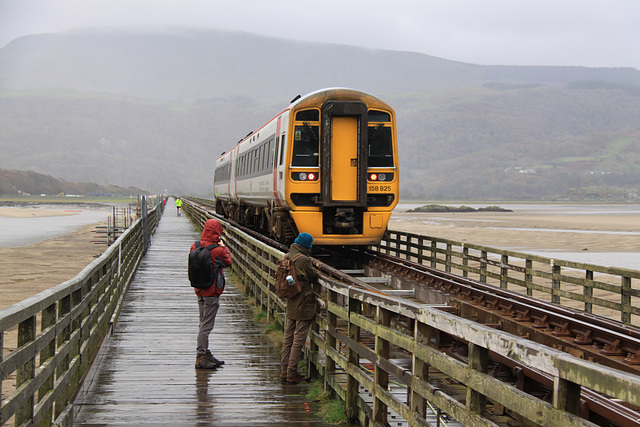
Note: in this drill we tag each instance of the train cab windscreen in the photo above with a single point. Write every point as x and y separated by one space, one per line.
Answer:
380 145
305 146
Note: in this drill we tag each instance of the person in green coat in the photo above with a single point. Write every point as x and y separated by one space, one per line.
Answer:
301 309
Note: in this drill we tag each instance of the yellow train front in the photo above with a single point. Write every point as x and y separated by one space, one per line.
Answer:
332 172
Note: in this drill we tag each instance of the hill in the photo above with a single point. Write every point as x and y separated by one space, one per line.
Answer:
154 110
31 183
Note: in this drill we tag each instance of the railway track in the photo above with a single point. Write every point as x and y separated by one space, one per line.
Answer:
580 334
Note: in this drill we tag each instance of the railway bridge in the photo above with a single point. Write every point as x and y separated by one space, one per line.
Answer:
400 339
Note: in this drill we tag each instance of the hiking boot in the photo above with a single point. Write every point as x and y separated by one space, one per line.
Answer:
283 377
203 362
212 358
297 379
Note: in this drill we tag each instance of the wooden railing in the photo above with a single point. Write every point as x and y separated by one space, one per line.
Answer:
48 341
369 344
607 291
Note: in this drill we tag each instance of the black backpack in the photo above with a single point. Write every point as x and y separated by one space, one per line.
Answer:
203 272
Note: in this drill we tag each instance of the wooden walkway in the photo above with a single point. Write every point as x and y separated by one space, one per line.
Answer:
145 372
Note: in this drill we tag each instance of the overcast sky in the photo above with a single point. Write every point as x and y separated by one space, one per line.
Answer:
593 33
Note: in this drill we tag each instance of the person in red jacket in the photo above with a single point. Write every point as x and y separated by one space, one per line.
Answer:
208 298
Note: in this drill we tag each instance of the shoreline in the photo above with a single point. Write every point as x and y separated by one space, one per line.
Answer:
28 270
6 212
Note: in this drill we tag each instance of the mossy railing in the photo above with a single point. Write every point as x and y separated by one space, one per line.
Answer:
48 341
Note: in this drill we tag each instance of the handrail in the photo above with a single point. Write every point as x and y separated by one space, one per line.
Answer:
48 341
606 291
403 329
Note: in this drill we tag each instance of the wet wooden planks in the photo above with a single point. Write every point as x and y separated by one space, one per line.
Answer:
146 371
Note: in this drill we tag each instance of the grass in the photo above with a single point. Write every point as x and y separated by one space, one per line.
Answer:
332 410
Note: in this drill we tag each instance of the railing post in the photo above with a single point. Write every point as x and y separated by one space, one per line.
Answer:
447 266
504 271
64 307
465 261
566 396
625 299
353 360
381 377
332 324
434 254
478 361
422 335
26 334
48 320
587 291
528 276
483 267
555 282
146 239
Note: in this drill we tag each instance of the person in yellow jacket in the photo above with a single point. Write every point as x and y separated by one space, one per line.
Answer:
179 206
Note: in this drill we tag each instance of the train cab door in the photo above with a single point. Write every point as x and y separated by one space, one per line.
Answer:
344 158
343 165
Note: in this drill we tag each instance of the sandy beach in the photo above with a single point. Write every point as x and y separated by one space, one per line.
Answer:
34 212
28 270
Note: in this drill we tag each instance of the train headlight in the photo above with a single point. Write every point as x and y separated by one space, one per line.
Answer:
380 176
304 176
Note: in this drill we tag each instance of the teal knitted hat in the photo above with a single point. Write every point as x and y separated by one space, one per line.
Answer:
305 240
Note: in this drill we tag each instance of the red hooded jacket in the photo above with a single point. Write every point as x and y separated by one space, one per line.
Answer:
211 234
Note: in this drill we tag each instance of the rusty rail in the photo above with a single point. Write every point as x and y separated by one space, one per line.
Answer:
48 341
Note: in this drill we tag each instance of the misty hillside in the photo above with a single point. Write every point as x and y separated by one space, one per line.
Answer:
154 110
31 183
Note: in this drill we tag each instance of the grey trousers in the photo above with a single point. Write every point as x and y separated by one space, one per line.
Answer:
208 308
295 336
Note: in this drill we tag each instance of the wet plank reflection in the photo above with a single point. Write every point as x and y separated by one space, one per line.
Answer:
146 371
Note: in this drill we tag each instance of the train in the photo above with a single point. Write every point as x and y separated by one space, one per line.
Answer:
326 165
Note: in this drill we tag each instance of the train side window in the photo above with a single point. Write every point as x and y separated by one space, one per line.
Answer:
256 160
270 154
380 147
305 146
282 139
308 116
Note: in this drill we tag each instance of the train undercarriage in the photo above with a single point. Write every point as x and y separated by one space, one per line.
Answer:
277 223
274 222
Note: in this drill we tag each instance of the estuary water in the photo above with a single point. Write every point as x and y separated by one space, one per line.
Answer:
627 259
32 228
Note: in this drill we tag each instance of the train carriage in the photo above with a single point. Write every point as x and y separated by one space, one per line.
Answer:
326 165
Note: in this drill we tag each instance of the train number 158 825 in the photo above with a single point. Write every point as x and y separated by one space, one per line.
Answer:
374 188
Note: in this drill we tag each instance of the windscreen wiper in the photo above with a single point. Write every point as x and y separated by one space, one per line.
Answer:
375 132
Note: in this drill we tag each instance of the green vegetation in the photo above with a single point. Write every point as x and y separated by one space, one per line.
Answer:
34 187
269 327
332 410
